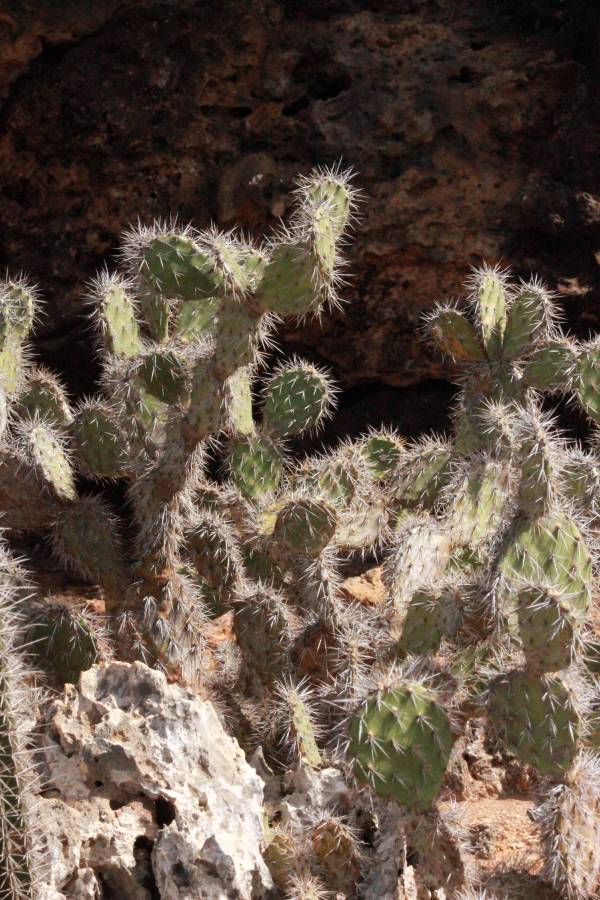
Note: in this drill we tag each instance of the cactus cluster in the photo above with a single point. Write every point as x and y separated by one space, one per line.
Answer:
22 862
485 537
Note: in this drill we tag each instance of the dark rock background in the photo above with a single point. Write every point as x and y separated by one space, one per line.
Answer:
473 125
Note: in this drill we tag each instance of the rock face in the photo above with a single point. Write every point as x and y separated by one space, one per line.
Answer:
473 127
146 796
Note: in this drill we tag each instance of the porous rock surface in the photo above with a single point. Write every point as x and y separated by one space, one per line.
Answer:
146 796
473 126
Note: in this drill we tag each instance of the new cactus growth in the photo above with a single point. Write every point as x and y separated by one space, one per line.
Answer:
399 744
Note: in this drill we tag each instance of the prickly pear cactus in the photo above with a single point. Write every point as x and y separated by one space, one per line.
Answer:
21 864
483 535
399 743
538 718
569 816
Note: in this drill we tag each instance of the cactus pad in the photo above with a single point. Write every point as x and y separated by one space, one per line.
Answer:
162 374
100 443
549 628
174 266
427 471
455 335
587 382
305 526
45 448
116 313
570 820
68 639
491 303
43 396
382 453
549 550
256 465
478 503
537 718
400 743
527 320
297 398
431 616
263 626
552 366
420 558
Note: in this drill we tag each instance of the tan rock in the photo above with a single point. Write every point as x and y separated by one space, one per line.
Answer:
145 791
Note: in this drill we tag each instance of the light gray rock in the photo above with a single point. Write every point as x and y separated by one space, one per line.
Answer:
146 795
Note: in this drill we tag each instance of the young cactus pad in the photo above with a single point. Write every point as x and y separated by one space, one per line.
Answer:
399 744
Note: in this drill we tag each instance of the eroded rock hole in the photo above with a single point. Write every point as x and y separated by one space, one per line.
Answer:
165 812
144 874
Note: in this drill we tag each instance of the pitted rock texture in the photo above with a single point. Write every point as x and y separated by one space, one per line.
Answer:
473 126
146 797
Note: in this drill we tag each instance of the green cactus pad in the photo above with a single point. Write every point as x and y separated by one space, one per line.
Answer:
17 310
100 443
214 551
588 380
253 262
537 719
478 503
288 286
305 526
263 626
431 616
256 465
260 566
361 523
237 338
552 366
549 550
237 391
336 848
382 453
341 478
425 474
491 311
163 375
173 265
549 627
12 364
46 451
580 481
455 335
206 403
333 198
21 872
117 314
26 503
196 318
43 396
570 820
67 639
421 557
538 475
400 744
295 718
297 398
527 318
86 539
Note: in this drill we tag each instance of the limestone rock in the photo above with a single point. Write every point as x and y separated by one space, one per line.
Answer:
472 126
146 796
